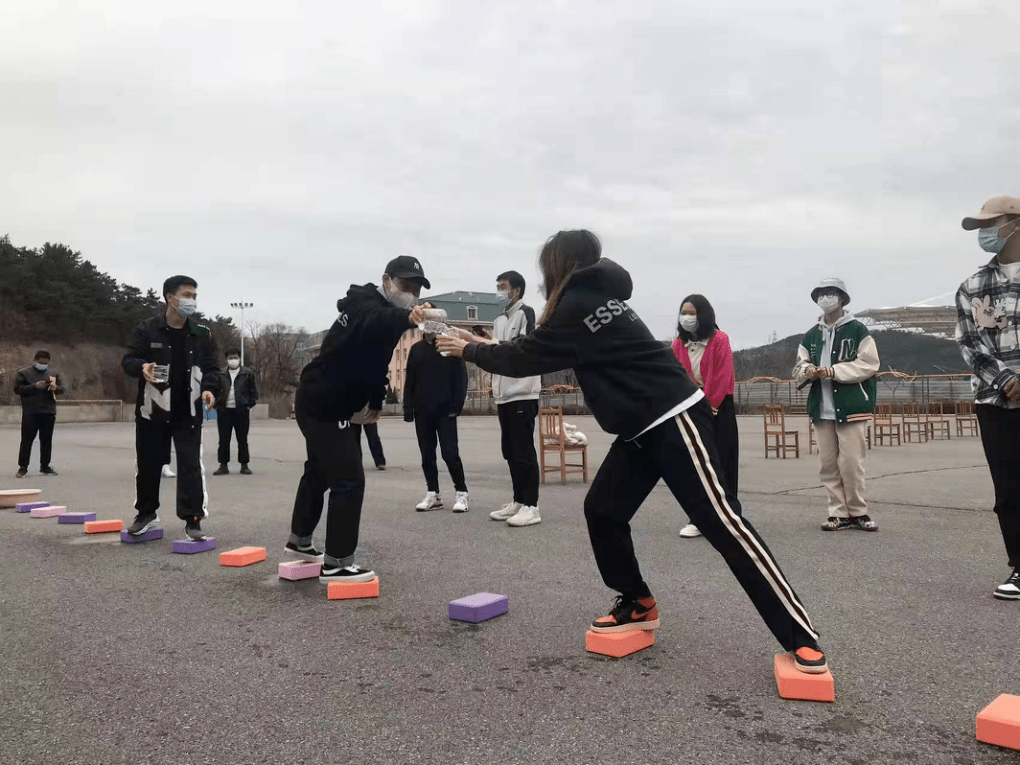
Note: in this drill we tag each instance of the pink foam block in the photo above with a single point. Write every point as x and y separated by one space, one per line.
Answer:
27 507
50 511
299 569
76 517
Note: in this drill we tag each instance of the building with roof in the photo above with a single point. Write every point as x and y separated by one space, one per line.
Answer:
935 316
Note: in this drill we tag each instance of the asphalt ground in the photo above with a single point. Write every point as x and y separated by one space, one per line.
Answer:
130 654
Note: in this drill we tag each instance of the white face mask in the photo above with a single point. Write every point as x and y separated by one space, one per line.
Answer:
828 303
399 298
688 322
186 306
503 296
233 363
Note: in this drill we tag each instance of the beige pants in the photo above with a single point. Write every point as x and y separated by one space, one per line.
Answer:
842 447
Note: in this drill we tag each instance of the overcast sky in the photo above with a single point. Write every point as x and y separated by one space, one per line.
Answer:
279 152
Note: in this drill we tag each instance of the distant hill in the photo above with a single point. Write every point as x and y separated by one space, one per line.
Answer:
903 351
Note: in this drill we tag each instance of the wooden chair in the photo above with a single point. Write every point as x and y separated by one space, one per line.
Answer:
938 422
775 427
966 419
914 424
885 427
551 438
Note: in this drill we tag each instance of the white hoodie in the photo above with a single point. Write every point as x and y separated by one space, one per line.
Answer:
516 321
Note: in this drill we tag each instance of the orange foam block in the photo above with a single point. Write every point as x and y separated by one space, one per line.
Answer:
103 527
618 644
242 556
999 722
794 684
352 590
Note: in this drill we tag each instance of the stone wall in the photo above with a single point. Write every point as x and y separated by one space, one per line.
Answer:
99 411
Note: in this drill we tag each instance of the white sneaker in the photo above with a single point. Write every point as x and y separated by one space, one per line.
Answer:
690 531
432 501
526 516
508 510
168 473
460 504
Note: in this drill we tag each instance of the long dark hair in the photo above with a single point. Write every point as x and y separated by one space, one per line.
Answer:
706 319
562 254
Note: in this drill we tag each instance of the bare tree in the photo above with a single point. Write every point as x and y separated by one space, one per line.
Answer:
277 354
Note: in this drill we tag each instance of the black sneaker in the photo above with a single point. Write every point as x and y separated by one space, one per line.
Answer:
22 472
1010 589
308 552
245 470
809 660
864 523
222 470
835 524
352 573
629 615
47 471
193 530
142 524
380 467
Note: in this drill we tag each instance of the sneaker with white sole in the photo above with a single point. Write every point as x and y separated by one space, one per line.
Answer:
509 510
143 523
168 473
460 504
1010 589
432 501
526 516
352 573
303 552
690 531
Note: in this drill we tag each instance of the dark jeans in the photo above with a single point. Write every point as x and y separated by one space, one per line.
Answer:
1000 435
374 442
152 449
236 421
682 452
517 423
333 465
32 424
444 428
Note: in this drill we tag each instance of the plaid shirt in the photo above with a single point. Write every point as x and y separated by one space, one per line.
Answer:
987 327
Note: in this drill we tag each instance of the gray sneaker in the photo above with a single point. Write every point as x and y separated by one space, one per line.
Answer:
193 530
142 524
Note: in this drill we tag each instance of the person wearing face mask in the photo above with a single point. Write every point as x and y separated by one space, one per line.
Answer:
341 390
37 386
174 359
988 333
517 408
839 358
704 350
238 395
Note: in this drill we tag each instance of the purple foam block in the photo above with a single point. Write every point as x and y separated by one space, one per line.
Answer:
149 535
76 517
478 608
27 507
190 546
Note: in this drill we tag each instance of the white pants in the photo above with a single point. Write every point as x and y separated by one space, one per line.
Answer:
842 448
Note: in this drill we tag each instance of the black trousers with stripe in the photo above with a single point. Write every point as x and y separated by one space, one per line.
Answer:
682 452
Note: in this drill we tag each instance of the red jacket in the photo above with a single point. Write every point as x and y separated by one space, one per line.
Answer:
716 366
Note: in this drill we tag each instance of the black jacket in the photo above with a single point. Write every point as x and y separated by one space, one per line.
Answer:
629 378
351 368
246 389
34 400
151 344
434 385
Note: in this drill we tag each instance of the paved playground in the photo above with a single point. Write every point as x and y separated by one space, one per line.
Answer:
119 654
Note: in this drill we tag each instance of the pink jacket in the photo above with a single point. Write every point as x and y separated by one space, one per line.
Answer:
716 366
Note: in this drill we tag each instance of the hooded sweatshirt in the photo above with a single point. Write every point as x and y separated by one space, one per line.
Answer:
630 380
351 368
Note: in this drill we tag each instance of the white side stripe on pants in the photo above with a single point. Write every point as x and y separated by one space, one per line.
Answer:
735 524
201 467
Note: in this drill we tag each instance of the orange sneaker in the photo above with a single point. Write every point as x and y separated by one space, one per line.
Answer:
629 615
809 660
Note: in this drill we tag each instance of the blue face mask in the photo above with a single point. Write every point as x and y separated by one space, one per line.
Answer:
990 240
42 367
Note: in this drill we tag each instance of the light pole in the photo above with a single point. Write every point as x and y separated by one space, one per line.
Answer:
242 306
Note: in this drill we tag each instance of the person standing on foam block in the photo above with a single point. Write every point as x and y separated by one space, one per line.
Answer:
666 430
174 359
37 386
343 387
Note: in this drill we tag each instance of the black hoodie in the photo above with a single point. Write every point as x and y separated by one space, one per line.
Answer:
435 385
351 368
629 378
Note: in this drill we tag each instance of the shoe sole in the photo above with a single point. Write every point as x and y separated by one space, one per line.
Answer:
429 508
147 527
690 536
1006 596
631 627
302 556
534 522
359 579
811 670
460 509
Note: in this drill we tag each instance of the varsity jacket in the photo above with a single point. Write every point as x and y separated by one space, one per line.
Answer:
434 385
516 321
151 344
629 378
849 356
351 368
33 399
246 389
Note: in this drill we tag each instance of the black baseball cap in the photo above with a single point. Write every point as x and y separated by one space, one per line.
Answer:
407 267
